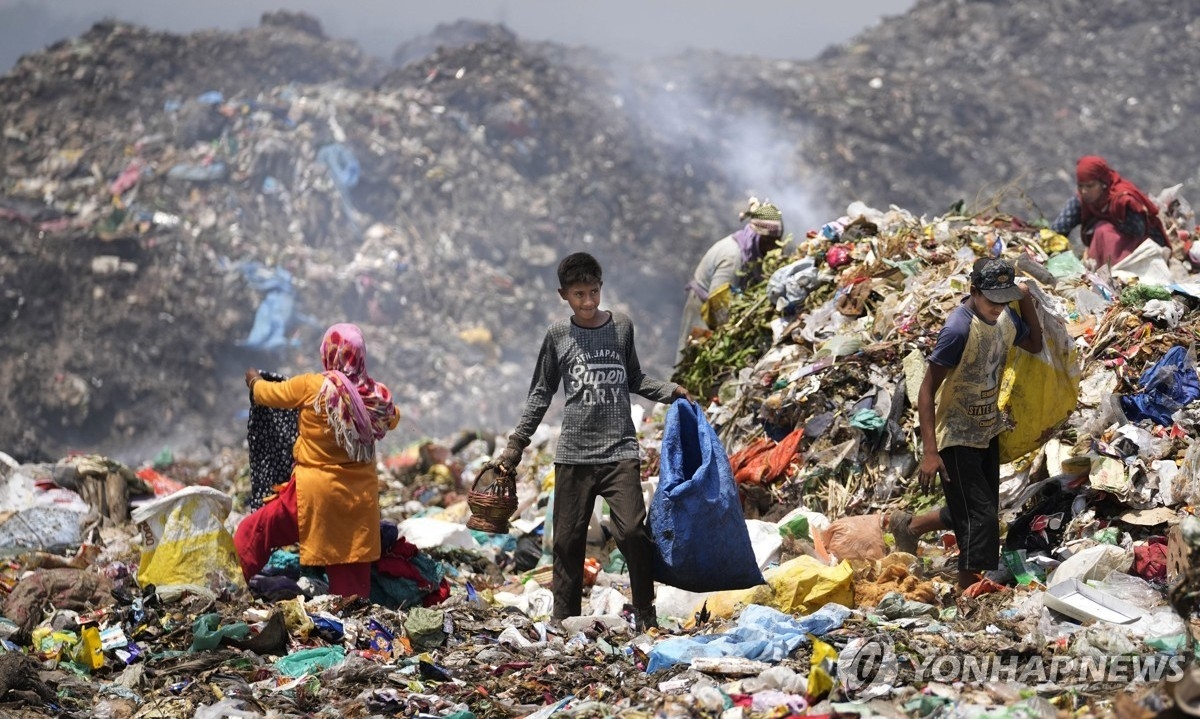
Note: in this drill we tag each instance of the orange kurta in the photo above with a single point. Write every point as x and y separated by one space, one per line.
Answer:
337 499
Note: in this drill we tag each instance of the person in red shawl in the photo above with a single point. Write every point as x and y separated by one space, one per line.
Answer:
1113 215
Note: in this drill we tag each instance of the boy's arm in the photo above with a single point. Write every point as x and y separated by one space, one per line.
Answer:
1032 341
542 387
656 390
931 461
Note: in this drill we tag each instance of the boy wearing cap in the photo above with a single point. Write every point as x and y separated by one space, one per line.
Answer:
960 422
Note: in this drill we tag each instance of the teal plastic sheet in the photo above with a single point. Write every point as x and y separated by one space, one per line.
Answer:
310 661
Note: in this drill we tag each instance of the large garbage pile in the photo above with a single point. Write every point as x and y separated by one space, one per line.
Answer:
963 101
153 244
166 227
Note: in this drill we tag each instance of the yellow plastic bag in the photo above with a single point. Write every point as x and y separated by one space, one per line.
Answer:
1039 391
798 586
803 585
715 309
727 604
1052 242
184 540
822 666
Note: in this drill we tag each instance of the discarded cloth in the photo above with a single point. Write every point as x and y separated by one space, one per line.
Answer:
270 435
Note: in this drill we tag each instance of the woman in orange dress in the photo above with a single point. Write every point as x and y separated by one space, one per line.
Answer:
330 506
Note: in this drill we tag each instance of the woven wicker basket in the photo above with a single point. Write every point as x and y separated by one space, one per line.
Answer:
492 500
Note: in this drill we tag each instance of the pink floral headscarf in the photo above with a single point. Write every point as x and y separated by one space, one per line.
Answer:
358 409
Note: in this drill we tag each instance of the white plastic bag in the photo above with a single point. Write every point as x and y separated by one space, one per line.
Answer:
1093 563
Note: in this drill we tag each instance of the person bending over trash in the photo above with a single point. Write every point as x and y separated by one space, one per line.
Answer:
592 354
723 266
960 422
330 506
1113 215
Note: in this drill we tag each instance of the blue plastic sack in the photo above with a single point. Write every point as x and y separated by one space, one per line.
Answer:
700 539
1171 383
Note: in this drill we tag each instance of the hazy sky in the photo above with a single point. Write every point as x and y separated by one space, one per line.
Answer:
639 28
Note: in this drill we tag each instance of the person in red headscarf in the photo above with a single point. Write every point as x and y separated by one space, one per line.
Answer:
330 506
1113 215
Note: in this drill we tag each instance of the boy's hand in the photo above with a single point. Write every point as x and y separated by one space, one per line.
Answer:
681 392
931 467
506 463
1025 293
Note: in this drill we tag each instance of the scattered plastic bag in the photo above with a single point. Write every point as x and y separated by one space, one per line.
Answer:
207 632
1135 590
1169 312
1093 563
1166 386
804 584
184 540
310 661
715 310
856 537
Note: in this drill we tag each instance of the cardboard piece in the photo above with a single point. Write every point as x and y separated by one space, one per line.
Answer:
1148 517
1079 601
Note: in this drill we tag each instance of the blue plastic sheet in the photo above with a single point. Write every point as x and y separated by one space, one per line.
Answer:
1171 383
762 634
275 312
343 165
700 538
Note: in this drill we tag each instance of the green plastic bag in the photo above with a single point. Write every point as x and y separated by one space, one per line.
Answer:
207 632
425 628
310 661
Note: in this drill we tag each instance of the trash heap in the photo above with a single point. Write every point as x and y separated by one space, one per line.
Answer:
827 352
163 231
818 423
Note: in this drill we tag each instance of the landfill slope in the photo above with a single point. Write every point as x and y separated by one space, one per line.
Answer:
981 101
469 170
132 206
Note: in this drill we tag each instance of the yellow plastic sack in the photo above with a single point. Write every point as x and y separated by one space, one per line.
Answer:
1039 391
822 666
184 540
715 309
727 604
803 585
798 586
1052 242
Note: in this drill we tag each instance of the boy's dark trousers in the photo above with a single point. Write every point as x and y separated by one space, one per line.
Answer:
576 487
973 504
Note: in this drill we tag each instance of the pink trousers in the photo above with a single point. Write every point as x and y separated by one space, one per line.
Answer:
1108 247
